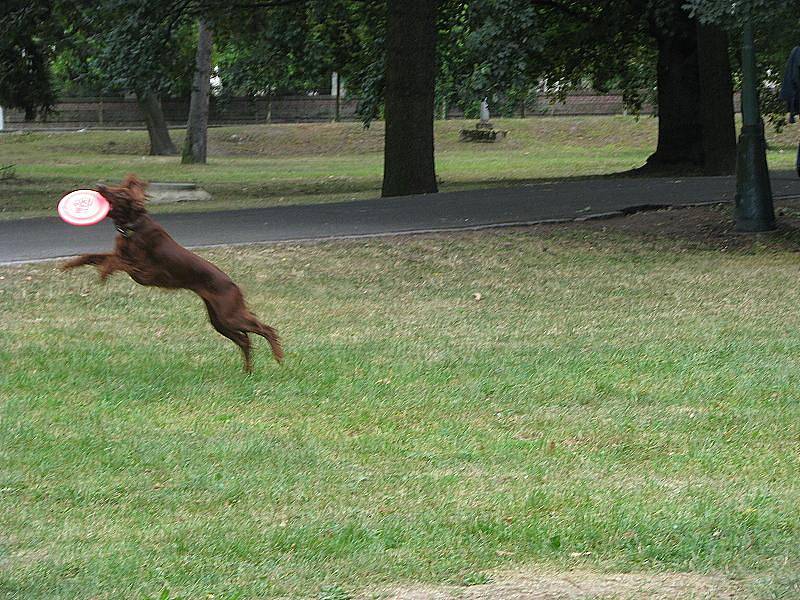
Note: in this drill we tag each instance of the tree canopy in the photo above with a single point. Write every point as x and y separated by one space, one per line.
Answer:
507 50
733 14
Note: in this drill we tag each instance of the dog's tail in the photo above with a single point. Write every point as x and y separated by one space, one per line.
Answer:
270 335
274 341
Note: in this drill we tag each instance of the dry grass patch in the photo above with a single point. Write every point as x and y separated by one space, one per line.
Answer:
576 585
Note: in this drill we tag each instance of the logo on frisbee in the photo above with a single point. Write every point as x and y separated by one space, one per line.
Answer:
83 207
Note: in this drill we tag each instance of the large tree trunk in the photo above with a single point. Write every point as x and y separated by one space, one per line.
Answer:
160 141
195 145
408 163
696 130
680 134
716 101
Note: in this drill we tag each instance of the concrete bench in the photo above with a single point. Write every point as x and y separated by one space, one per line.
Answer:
164 193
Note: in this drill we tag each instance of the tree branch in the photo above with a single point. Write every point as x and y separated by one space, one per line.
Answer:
569 10
258 4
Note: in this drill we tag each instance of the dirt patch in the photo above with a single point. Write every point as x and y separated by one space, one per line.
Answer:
709 227
680 229
576 585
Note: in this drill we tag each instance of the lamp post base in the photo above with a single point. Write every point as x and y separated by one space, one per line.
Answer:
753 210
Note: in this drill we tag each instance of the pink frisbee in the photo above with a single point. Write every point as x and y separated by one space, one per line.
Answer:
83 207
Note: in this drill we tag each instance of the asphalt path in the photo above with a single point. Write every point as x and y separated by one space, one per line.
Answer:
26 240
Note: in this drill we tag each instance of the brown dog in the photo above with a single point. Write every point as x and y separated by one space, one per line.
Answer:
151 257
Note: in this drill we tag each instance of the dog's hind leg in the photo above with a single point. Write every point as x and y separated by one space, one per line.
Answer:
240 338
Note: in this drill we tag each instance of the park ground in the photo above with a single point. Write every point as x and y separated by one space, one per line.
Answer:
268 165
596 410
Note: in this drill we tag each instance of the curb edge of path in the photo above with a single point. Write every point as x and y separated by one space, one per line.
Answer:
628 210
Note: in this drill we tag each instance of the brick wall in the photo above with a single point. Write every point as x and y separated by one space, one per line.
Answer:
95 113
124 113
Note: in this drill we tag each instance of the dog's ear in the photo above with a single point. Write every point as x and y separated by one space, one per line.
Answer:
136 194
134 184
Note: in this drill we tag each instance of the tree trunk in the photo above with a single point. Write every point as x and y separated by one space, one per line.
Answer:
716 101
680 134
408 163
160 141
696 130
195 145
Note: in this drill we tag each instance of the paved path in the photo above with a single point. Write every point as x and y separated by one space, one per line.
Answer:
45 238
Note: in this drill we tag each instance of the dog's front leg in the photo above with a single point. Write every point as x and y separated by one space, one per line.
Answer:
106 263
86 259
111 264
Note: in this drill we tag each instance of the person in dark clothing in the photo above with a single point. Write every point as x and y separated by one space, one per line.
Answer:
790 92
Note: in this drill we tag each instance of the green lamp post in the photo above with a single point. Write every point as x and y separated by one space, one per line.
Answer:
753 210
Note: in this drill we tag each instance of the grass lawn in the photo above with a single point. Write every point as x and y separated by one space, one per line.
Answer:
265 165
611 403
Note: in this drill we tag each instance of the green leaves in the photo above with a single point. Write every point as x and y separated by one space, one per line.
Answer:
730 13
25 81
139 45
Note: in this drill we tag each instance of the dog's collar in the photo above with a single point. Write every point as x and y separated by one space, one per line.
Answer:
128 229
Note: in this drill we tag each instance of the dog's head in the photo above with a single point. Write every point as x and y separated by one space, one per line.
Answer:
127 201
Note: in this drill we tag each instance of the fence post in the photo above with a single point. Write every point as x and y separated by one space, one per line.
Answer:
338 90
